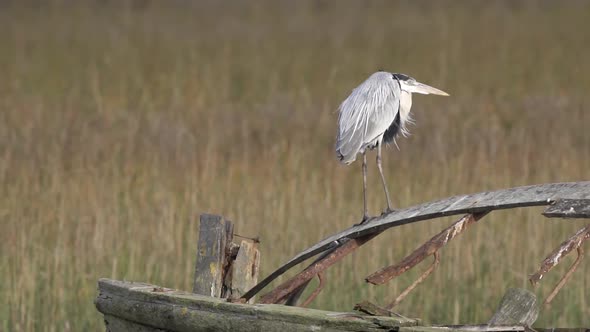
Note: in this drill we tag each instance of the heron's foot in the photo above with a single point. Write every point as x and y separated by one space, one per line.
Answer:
388 210
366 219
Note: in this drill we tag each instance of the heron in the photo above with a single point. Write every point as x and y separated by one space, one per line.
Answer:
376 112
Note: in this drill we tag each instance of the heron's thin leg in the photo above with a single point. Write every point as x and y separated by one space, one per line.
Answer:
383 179
365 210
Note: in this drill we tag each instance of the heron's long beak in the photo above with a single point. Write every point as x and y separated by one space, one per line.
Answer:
426 89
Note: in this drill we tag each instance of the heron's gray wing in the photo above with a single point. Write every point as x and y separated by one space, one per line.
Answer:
366 114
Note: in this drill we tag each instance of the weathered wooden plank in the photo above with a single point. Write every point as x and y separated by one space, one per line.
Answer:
211 258
484 328
535 195
163 308
518 306
116 324
569 208
474 328
563 329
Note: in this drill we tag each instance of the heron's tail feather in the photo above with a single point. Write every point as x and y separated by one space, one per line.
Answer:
348 144
345 158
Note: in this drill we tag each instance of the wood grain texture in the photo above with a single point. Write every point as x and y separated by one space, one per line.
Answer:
518 306
211 256
461 328
428 248
327 259
116 324
567 246
569 208
245 269
535 195
143 305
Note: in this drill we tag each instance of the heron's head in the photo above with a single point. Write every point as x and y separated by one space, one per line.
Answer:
409 84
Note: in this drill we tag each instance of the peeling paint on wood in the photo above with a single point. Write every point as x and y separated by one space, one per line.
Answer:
573 242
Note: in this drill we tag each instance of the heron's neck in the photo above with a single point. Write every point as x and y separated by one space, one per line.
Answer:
405 105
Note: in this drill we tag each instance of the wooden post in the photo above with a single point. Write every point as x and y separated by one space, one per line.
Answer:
224 269
211 255
245 269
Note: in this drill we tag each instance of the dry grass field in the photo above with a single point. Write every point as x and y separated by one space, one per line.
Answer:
121 123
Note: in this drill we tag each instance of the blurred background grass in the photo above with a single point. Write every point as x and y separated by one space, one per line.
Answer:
121 122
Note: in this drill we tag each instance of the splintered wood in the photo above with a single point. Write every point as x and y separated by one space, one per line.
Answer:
518 306
429 248
315 292
569 208
544 194
244 269
574 242
283 291
568 200
210 268
417 282
224 269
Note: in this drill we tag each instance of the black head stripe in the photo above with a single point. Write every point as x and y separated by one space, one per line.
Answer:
401 77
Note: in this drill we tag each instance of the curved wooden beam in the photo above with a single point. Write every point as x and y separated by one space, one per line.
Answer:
535 195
